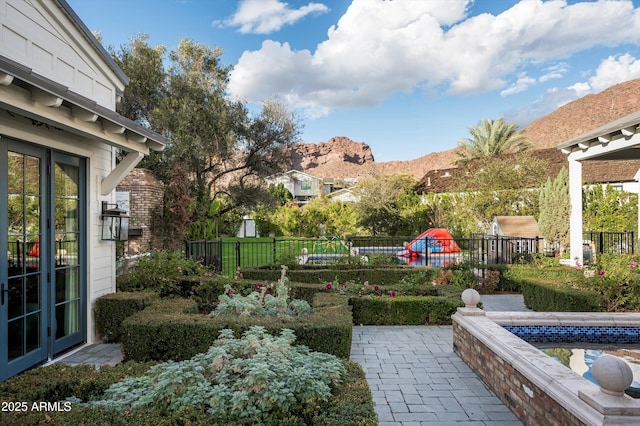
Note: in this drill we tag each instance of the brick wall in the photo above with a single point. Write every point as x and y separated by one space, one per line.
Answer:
145 195
529 403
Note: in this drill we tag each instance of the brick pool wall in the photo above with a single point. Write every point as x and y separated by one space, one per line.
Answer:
528 402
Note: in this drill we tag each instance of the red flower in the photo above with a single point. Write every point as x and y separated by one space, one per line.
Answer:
600 271
329 286
376 288
393 294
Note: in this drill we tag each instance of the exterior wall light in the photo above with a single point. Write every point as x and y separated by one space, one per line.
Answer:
115 223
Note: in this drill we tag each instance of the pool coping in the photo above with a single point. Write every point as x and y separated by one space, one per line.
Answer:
583 399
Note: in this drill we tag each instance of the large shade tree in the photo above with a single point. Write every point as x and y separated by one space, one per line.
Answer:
389 205
489 139
214 141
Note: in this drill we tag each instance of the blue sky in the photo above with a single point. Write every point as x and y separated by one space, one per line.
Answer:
406 77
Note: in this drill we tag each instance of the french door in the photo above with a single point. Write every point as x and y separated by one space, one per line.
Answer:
42 255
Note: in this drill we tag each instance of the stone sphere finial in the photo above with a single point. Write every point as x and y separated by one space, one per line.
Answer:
612 374
471 298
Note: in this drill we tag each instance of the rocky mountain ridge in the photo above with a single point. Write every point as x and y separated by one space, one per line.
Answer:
340 157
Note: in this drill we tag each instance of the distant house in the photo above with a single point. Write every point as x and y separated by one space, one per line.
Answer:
301 185
515 226
515 235
59 135
619 174
344 195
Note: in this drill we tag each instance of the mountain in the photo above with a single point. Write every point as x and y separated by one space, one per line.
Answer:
341 157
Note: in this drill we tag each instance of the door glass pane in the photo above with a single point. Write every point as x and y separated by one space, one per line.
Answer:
33 293
66 180
66 284
15 174
66 215
16 297
67 319
32 175
16 338
32 323
32 214
15 210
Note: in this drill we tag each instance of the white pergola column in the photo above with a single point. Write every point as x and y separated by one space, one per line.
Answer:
575 193
637 179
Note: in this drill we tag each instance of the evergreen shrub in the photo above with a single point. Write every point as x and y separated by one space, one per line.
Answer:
550 295
171 329
403 310
113 308
328 273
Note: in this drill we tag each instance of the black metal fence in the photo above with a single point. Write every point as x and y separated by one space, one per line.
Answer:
227 256
611 242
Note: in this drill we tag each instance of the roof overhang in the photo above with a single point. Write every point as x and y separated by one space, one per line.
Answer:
31 95
617 140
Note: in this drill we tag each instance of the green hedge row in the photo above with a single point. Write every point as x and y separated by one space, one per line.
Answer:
351 403
378 276
403 310
545 295
171 329
113 308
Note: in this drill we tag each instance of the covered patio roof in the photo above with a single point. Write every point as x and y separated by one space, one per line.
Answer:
615 141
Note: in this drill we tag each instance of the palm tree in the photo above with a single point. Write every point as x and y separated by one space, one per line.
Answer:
491 138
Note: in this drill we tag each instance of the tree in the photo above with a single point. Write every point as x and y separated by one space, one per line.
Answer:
555 210
503 185
608 210
143 65
224 150
490 138
382 198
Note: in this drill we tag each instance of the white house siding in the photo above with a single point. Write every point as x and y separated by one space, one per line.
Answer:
54 49
58 90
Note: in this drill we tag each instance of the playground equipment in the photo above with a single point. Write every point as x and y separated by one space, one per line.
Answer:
329 249
433 240
330 245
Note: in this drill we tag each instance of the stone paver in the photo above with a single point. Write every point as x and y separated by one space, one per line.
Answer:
95 354
433 387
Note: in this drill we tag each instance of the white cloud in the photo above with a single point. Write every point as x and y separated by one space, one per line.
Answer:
614 70
556 71
379 48
520 85
610 71
267 16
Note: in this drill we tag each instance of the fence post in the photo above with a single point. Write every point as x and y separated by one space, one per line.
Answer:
237 254
274 250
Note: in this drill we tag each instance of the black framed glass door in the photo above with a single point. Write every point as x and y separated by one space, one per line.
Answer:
42 285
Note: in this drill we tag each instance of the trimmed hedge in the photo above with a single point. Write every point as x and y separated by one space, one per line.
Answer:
172 330
379 276
545 295
403 310
351 403
113 308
